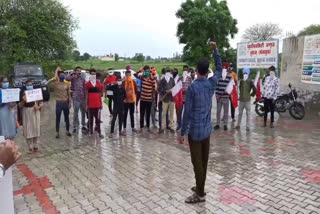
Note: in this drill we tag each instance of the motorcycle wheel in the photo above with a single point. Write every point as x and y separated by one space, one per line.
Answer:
259 110
297 111
280 105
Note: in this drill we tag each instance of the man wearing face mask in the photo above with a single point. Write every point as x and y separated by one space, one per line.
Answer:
63 99
186 82
271 90
147 88
192 74
78 84
246 86
165 86
235 78
223 99
119 96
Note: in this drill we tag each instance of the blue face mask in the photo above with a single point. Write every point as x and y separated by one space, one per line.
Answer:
29 87
5 85
147 73
62 79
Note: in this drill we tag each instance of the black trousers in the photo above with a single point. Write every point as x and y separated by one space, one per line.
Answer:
110 103
268 107
117 112
62 107
127 107
232 109
199 157
145 108
94 113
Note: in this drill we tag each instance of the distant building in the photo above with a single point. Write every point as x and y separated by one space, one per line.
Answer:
107 58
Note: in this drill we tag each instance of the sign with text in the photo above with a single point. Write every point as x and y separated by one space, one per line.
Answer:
9 95
311 60
258 55
33 95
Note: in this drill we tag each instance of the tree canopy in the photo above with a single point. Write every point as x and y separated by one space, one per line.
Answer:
35 31
310 30
262 32
203 21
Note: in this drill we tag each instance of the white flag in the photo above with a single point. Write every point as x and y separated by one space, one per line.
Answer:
175 90
229 88
256 79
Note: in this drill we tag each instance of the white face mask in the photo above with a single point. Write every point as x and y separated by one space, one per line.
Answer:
224 74
167 76
185 75
272 74
119 82
245 77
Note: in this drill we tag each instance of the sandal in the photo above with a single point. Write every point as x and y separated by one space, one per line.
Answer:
194 189
36 149
194 199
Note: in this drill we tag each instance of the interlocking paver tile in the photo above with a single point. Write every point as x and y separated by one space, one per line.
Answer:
266 171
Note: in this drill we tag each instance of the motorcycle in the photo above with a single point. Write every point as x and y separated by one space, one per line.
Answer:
284 102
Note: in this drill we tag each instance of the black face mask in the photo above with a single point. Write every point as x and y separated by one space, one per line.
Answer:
175 74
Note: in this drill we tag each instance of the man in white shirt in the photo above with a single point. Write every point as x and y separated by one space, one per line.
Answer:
271 90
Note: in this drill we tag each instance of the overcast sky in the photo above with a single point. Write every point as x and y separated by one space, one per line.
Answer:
127 27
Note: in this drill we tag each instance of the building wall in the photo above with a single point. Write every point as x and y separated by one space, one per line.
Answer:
292 57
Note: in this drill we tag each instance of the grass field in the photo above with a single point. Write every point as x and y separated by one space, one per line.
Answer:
103 66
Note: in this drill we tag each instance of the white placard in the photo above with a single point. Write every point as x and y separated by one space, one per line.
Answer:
10 95
258 55
33 95
6 190
311 60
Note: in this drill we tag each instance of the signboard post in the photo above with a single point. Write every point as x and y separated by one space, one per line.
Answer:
258 55
311 60
33 95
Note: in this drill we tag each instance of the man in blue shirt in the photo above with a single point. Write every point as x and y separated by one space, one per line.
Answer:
197 121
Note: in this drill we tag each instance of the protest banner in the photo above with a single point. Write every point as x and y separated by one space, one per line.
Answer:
33 95
311 60
10 95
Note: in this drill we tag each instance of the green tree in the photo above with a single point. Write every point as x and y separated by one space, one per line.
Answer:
86 57
262 32
116 57
310 30
35 31
148 58
203 21
139 57
76 55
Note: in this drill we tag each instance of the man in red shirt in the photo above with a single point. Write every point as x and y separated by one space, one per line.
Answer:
110 80
94 89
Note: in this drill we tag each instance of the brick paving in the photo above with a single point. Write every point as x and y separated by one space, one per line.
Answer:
261 171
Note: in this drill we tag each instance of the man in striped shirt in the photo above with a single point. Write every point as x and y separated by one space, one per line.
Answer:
147 88
223 99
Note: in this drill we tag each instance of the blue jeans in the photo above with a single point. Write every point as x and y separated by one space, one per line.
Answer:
180 117
62 107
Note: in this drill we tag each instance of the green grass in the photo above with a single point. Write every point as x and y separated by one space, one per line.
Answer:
103 66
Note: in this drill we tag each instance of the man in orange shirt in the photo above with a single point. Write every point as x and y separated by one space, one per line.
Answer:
131 88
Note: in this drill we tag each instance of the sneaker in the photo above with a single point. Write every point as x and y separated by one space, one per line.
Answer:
84 129
68 134
57 135
101 136
161 131
134 130
225 128
123 133
171 130
216 127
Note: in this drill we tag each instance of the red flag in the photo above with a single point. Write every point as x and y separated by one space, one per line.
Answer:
257 85
232 90
177 95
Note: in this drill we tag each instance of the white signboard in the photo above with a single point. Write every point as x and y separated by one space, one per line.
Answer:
311 60
10 95
6 190
258 55
33 95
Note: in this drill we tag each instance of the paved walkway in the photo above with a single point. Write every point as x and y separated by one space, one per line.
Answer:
261 171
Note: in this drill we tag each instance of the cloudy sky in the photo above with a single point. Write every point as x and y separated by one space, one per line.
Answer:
149 26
